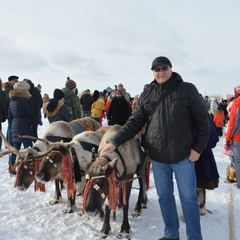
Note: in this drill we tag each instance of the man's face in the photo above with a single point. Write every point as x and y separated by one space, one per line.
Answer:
14 81
120 87
162 73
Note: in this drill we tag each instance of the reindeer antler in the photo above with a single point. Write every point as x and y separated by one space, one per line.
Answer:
9 146
39 156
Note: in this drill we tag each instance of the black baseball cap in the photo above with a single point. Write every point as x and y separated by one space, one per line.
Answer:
161 61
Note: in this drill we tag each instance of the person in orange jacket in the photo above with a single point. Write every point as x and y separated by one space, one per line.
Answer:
219 119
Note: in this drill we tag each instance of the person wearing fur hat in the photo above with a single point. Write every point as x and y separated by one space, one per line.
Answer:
8 86
56 109
21 107
233 132
71 99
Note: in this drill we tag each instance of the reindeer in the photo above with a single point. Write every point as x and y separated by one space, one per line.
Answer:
63 159
109 171
30 158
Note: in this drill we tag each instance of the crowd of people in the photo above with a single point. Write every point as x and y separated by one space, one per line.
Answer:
181 129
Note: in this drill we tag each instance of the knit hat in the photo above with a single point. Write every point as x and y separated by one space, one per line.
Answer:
21 85
237 91
161 61
70 83
58 93
13 77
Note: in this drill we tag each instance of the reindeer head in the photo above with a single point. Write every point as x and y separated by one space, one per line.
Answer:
53 162
97 187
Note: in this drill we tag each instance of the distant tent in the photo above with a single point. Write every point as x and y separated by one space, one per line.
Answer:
108 89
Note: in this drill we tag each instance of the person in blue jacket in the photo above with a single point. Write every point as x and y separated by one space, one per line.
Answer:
20 109
56 109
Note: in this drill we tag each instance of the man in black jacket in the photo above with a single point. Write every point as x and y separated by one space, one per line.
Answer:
37 101
177 133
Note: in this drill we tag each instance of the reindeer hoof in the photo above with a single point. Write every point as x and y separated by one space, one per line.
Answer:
144 206
124 236
53 202
80 214
68 209
135 213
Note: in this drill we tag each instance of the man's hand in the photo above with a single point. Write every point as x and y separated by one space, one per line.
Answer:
228 143
194 156
108 148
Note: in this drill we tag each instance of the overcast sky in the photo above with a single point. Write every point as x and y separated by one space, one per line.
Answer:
101 43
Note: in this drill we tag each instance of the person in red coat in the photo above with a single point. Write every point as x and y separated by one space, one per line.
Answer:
233 132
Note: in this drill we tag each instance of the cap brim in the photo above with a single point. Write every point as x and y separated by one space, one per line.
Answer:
160 64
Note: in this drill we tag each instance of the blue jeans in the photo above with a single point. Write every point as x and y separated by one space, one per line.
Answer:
186 181
236 154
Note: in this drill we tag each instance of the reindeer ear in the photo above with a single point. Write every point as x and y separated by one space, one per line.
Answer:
69 144
108 167
113 163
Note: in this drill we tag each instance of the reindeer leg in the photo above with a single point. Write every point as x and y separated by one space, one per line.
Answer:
61 184
201 195
125 228
142 198
106 224
57 195
71 203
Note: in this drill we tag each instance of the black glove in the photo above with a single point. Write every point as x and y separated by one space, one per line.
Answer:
228 144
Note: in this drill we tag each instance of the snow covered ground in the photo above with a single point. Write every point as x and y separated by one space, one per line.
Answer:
28 215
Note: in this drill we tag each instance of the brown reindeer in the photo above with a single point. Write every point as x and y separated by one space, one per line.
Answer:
106 173
64 159
30 159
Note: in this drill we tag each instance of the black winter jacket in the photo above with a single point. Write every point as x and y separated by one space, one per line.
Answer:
119 111
3 106
178 124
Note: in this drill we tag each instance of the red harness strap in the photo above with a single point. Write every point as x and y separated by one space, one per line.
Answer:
112 191
37 185
67 175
